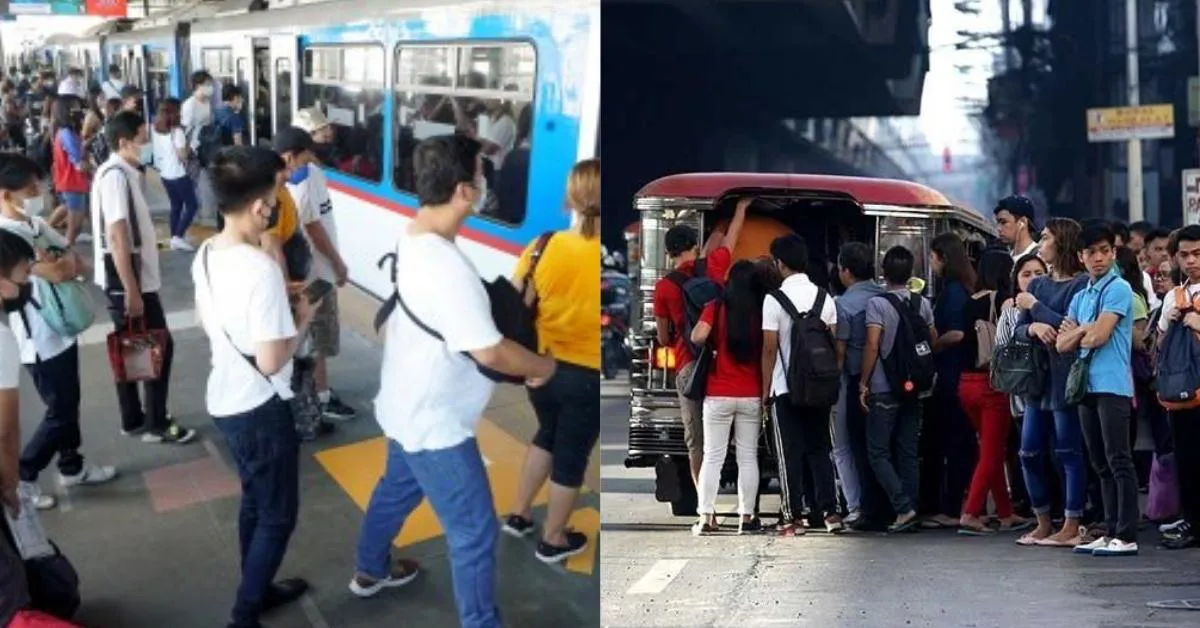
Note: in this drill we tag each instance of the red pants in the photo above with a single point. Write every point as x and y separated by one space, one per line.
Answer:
989 413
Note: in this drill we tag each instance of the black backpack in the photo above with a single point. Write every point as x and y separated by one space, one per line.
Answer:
811 370
698 291
909 366
211 139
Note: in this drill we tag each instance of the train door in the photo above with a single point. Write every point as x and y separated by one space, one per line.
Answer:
245 77
284 80
139 77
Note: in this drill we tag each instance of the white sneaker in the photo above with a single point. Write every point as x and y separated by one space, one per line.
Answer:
89 475
179 244
1117 547
1168 527
33 492
1090 548
83 237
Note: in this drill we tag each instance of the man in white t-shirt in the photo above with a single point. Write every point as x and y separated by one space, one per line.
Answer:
195 114
432 392
51 358
308 186
126 265
243 305
73 85
802 434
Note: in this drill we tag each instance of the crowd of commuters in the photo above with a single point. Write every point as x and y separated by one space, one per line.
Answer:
1040 353
264 293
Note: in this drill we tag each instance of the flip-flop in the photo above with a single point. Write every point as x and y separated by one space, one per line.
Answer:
1050 542
904 527
1027 540
934 524
968 531
1024 525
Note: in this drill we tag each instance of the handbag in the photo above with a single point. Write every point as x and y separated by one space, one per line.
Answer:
112 279
1077 376
136 353
1163 500
696 388
1018 368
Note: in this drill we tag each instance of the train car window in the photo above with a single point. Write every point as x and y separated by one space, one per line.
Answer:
485 90
159 77
283 94
219 63
347 84
139 70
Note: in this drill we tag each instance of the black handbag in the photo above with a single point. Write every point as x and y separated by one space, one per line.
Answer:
1019 368
697 388
1077 377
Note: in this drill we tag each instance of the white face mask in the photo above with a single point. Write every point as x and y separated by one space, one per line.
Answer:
481 200
206 89
34 206
146 153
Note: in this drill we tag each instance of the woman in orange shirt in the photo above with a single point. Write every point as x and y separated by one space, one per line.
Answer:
566 280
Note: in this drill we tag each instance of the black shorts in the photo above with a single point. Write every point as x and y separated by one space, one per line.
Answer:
568 413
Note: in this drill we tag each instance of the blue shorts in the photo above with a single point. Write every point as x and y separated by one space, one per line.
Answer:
76 202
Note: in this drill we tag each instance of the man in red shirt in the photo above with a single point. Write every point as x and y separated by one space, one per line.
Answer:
682 243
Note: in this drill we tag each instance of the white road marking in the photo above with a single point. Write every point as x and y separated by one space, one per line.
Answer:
658 578
98 334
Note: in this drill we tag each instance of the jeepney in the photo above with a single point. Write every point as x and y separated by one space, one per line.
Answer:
827 211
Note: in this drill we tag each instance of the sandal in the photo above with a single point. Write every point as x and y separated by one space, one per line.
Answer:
905 526
973 531
1023 524
791 529
1029 540
1053 542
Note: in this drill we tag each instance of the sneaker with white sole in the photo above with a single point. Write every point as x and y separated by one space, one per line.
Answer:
179 244
403 572
1169 527
175 434
90 475
33 492
1090 548
576 543
1117 547
517 526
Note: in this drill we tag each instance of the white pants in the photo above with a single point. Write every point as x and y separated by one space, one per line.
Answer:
742 416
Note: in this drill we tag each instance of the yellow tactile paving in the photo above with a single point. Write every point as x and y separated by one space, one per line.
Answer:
587 521
357 468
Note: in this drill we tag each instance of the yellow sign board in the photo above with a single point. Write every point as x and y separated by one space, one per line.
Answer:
1117 124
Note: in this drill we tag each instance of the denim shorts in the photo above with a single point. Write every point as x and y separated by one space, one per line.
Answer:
76 202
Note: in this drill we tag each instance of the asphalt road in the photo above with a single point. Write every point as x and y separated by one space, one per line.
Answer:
654 573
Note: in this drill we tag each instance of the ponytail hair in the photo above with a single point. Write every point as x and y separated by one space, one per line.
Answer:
583 195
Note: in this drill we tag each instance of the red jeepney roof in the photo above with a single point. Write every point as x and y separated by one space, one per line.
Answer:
866 191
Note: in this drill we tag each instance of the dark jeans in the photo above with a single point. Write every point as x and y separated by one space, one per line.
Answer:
266 450
893 432
1185 430
875 504
568 414
182 193
1105 420
154 417
57 382
803 440
1059 430
948 450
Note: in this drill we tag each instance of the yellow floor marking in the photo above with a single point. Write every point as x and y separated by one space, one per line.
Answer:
357 468
587 521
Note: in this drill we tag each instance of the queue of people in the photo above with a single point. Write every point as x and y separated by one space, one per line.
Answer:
265 297
1042 354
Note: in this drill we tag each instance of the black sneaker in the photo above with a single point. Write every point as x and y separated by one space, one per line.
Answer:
753 526
283 592
517 526
175 434
336 410
576 543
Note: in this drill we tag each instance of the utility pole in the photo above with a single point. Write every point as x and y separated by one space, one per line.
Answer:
1134 160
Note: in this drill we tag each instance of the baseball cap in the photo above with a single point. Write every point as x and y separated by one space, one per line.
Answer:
292 140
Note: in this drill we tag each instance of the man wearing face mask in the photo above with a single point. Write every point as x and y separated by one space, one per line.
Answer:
15 258
308 187
126 263
52 359
244 310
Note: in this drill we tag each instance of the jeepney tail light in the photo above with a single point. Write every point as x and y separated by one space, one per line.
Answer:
664 358
604 320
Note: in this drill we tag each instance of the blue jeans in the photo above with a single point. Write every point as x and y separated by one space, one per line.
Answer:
266 449
1067 441
456 484
182 192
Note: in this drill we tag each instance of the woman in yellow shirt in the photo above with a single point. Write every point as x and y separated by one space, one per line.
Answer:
566 281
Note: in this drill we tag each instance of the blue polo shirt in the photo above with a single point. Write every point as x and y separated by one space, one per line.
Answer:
1110 369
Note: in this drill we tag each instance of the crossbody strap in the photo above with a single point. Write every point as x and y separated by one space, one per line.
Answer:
212 300
135 231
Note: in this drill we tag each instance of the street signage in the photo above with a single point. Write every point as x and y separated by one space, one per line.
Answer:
1118 124
1191 196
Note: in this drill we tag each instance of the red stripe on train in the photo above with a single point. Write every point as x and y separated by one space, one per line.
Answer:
485 239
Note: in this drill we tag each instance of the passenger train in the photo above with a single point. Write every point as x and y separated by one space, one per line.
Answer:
387 74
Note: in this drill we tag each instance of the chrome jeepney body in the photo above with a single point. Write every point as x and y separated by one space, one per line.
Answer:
889 213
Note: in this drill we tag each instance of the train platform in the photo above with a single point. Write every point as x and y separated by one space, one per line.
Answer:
158 546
